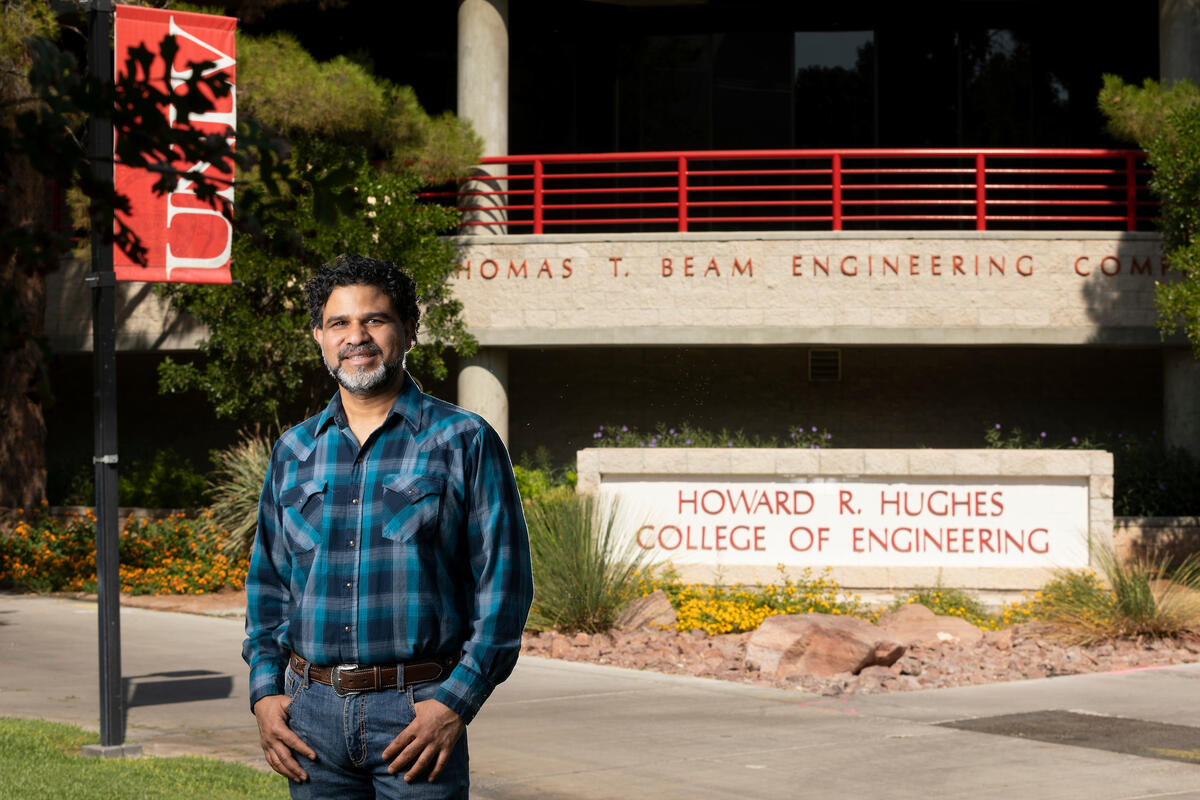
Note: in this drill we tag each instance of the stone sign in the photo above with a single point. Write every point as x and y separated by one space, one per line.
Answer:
880 519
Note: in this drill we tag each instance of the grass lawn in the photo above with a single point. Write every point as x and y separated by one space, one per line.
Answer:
41 761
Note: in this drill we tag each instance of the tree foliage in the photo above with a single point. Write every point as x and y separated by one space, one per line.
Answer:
1165 122
259 360
46 101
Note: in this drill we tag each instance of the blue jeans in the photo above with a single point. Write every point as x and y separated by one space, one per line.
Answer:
349 735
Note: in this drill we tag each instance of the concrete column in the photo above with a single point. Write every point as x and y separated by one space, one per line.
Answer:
483 387
1181 400
483 99
1178 40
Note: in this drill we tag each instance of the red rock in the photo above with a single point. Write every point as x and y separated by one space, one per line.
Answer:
914 623
581 640
654 612
1001 640
560 646
818 644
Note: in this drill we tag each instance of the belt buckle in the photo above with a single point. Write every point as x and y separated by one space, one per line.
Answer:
335 680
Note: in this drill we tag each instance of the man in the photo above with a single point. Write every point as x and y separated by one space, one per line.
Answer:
390 576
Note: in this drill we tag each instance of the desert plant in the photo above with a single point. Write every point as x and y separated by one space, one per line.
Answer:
1142 597
584 571
235 486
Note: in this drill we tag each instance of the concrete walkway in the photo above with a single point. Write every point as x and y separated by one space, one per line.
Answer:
562 730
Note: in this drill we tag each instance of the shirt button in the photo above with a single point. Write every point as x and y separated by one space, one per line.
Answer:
347 629
354 501
352 543
348 586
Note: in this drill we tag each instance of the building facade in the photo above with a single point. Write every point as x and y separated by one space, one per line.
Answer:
823 216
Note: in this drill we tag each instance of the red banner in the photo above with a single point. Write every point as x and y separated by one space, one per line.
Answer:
187 240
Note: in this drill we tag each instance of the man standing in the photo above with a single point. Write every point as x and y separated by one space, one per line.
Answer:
390 576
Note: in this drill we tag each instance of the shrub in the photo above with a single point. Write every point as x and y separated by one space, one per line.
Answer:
165 480
537 475
582 575
171 555
718 609
235 486
687 435
1143 597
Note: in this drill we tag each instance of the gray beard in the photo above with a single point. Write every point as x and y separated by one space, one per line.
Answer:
361 381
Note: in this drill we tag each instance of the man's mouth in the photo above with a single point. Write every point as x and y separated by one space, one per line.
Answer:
358 356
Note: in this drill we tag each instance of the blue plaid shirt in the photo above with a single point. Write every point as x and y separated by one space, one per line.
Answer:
410 546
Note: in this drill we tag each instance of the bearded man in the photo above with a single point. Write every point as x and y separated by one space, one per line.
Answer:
390 578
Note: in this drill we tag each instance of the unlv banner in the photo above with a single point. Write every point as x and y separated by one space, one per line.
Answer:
187 240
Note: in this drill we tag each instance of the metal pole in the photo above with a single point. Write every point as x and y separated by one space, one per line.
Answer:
104 396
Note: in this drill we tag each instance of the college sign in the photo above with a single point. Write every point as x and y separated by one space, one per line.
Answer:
187 239
818 522
985 519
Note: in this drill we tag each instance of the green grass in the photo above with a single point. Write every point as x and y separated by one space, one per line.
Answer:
40 761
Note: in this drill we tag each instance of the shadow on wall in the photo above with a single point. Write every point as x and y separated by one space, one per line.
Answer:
1118 289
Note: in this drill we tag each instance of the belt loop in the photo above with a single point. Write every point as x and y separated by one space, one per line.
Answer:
400 678
307 666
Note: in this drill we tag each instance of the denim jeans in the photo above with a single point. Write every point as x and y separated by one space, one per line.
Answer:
349 735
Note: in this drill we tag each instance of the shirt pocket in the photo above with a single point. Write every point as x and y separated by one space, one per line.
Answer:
303 509
412 505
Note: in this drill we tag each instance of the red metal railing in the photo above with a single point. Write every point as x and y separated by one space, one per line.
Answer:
992 189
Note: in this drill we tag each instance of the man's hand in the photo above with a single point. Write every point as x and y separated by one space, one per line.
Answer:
426 742
278 740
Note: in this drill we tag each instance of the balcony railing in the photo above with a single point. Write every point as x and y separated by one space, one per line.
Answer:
924 189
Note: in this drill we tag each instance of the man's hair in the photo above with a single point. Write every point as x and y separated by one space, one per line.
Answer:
352 270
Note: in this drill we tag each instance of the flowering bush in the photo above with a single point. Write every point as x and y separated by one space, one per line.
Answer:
1072 595
686 435
175 555
733 609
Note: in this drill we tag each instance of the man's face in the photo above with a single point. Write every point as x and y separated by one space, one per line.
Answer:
363 340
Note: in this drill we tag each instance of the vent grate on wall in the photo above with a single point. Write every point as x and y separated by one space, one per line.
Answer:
824 366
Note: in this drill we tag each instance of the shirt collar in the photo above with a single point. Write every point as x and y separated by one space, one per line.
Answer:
407 406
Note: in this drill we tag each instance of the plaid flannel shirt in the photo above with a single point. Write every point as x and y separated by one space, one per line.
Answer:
412 546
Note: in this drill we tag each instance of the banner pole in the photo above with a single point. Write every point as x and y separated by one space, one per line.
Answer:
104 396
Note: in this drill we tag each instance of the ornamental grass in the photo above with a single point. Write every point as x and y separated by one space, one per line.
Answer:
583 575
1151 597
173 555
235 486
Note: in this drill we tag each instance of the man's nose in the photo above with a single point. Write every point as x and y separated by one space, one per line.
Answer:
357 333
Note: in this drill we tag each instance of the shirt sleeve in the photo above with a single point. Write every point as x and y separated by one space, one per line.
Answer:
499 559
268 594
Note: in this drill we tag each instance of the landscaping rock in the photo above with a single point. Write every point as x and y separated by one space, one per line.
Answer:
654 611
914 623
818 644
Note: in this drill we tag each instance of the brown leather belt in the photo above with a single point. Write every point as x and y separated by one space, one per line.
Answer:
352 679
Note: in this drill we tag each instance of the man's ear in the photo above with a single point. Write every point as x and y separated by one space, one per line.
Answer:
317 335
410 334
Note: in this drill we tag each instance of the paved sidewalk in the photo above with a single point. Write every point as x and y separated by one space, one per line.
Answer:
564 730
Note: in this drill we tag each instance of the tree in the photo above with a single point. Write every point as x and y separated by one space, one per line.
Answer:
1165 122
45 103
259 359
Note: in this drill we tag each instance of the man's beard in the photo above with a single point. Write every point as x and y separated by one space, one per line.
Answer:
361 381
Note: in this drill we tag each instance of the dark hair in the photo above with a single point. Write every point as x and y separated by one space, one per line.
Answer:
352 270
